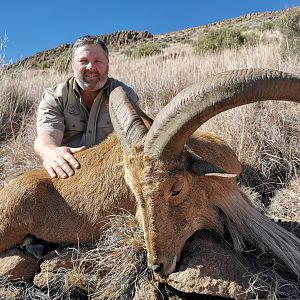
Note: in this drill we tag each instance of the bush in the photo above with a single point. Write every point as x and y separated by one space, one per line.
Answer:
147 49
63 62
267 26
222 38
289 25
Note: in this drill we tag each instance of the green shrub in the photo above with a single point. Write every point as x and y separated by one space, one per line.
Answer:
63 62
289 25
267 26
147 49
127 52
252 38
222 38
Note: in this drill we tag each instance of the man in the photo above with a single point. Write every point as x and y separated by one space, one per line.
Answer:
74 115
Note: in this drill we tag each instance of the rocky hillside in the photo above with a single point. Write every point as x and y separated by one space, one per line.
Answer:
122 39
249 21
115 39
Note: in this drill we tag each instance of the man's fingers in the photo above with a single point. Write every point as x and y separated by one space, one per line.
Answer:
71 160
55 169
50 171
63 164
60 172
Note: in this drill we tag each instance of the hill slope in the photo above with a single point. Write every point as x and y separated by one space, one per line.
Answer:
122 39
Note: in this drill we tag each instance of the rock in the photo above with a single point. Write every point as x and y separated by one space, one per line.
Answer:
209 267
51 264
17 265
11 294
146 290
60 261
115 39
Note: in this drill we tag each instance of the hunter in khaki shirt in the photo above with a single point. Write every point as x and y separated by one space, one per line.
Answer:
74 114
61 108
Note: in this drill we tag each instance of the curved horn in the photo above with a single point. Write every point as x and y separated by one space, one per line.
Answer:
128 125
196 104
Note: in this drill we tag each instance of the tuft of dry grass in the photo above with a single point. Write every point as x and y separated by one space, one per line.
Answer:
265 137
285 205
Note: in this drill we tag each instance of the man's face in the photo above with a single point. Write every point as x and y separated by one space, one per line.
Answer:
90 67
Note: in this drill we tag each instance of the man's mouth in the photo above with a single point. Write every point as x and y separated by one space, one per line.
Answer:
91 76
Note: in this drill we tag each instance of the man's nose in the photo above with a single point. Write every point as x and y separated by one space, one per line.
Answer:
90 65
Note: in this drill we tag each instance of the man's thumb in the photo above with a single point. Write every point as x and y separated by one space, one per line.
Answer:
75 150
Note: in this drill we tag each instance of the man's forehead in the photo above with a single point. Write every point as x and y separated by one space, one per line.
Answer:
87 50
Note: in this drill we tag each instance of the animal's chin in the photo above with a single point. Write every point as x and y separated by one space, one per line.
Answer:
172 267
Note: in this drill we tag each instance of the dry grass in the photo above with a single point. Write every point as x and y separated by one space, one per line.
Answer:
286 205
20 94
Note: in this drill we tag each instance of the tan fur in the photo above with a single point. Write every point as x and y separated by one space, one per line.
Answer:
66 210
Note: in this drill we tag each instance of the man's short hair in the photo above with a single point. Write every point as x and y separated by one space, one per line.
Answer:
89 40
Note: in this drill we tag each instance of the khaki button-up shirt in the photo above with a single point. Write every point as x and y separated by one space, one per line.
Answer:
61 108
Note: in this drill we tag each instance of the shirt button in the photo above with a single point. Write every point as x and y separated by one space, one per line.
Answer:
90 131
73 126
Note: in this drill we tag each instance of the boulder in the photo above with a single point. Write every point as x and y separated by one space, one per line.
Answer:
17 265
210 267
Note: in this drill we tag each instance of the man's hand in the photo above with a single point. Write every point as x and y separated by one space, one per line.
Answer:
57 160
60 162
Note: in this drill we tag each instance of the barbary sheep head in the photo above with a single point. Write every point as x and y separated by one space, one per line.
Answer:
182 181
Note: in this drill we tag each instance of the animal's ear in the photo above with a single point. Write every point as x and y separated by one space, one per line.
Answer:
201 167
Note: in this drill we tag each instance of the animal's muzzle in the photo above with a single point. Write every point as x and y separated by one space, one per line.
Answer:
156 268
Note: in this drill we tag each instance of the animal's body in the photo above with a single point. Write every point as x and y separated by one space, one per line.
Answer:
68 210
74 209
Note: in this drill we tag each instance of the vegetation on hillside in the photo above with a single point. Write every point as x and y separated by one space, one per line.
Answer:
265 136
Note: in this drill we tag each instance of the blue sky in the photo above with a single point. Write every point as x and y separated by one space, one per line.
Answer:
32 26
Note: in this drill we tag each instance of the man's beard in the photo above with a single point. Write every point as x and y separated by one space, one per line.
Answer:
92 82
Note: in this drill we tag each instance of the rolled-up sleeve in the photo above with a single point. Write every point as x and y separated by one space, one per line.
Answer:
50 112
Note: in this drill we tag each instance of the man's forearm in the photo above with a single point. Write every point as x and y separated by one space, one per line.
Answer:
46 140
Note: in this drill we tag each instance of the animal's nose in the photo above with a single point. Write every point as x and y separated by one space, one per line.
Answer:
156 268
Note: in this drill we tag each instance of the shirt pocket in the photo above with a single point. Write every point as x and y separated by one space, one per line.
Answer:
75 124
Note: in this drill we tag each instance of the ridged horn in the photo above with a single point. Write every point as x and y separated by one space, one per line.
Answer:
196 104
128 125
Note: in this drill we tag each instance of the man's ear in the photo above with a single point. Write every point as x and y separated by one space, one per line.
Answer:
200 167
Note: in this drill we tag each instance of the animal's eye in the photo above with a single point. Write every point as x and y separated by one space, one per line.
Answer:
176 190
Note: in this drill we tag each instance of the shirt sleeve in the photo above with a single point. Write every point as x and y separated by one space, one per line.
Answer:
50 112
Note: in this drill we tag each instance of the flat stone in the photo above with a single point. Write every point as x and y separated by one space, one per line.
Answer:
17 265
208 267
